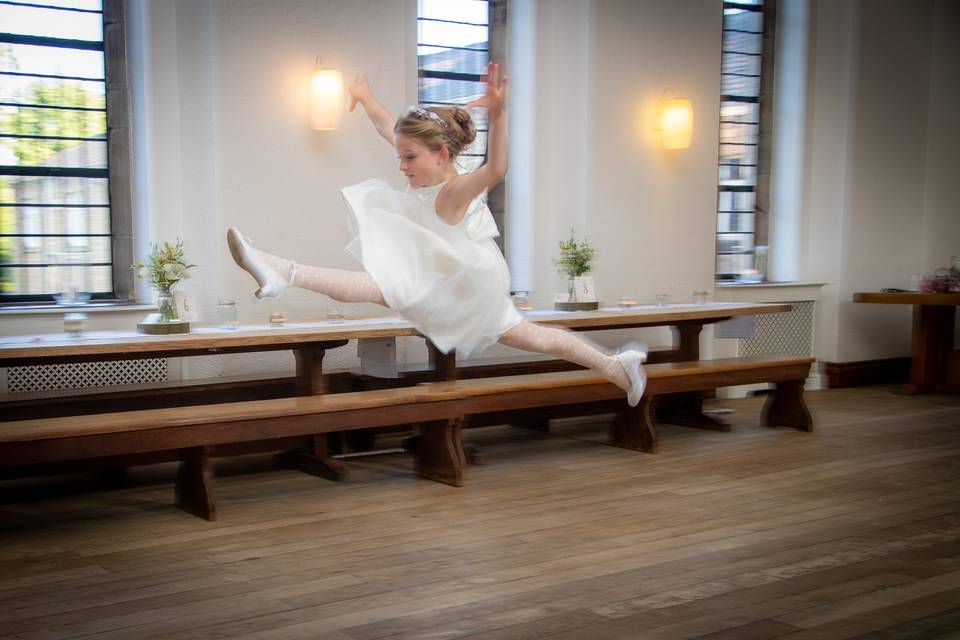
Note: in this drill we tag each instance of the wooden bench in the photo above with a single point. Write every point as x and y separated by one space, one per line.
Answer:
194 431
440 409
583 391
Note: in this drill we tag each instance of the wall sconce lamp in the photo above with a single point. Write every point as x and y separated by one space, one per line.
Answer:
326 98
675 123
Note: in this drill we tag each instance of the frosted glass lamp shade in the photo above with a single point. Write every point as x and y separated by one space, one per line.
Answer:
675 123
326 99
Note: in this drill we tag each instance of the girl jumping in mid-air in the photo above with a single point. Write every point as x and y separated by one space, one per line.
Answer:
429 252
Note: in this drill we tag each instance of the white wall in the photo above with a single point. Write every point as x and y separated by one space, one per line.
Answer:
941 217
653 211
881 206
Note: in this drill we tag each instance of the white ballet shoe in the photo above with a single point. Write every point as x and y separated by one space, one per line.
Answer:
632 362
272 284
639 347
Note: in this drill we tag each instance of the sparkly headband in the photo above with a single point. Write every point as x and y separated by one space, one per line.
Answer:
426 114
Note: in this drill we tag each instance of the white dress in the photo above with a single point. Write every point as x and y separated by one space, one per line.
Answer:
450 281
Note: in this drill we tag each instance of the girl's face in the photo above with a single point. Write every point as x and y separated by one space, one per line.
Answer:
422 166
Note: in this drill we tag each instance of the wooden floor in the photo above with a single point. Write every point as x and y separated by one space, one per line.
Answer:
850 532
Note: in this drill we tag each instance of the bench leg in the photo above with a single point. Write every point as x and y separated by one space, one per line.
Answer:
686 409
439 452
314 459
634 429
194 488
785 407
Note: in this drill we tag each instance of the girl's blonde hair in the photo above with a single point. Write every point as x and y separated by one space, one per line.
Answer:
438 127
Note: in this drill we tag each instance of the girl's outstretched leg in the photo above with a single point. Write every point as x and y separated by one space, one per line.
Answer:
274 274
624 369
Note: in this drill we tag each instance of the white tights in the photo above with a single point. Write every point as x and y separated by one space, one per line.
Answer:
345 286
568 346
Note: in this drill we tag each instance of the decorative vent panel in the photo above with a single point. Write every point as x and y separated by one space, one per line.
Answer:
788 333
76 375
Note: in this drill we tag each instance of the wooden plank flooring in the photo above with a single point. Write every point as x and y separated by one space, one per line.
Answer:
850 532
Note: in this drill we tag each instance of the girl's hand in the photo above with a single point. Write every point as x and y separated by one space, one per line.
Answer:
495 98
359 91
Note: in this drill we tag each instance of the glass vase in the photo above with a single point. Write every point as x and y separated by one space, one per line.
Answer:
166 306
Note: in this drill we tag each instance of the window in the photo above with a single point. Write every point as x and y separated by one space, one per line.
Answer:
455 40
64 207
742 201
452 54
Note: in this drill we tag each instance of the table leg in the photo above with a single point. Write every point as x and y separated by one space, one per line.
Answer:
444 367
314 458
932 339
310 370
686 408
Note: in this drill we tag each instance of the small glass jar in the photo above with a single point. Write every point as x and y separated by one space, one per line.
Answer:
73 324
521 301
227 314
700 297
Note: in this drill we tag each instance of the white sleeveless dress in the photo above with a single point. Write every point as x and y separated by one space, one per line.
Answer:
450 281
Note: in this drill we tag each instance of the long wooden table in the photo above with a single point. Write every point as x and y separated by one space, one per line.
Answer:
310 342
932 356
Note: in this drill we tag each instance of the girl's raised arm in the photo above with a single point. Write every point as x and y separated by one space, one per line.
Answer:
380 118
467 187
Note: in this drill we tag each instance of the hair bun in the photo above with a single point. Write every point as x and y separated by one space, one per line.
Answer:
463 132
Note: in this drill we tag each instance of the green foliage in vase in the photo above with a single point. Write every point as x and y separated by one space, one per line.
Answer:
574 257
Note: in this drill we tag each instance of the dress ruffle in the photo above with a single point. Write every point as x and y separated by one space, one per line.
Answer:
450 281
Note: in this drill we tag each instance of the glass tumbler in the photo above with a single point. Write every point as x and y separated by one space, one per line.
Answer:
227 314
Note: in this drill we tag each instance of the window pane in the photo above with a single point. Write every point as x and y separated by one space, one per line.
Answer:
53 122
733 264
28 58
458 60
733 222
737 42
447 34
56 153
51 23
741 64
47 190
31 90
738 133
739 112
435 90
734 243
738 201
737 174
92 5
742 20
747 87
459 10
27 281
738 154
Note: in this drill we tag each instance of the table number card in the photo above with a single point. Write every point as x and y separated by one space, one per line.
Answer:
584 289
185 309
